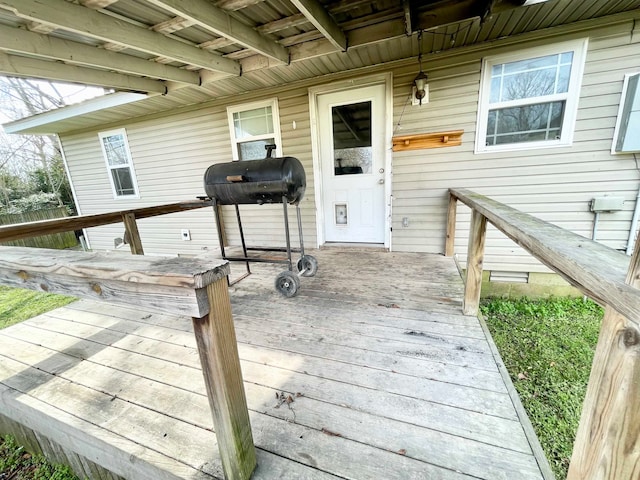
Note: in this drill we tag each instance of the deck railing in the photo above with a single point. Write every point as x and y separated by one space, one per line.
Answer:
195 287
607 444
128 217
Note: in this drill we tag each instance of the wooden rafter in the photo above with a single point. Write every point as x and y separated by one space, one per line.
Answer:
40 27
236 4
320 18
172 25
408 17
346 5
46 46
12 65
218 21
97 4
92 23
282 24
216 43
442 14
114 47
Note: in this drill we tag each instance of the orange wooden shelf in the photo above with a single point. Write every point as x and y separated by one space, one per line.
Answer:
427 140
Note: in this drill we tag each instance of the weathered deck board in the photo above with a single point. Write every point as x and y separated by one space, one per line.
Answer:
483 406
393 383
411 366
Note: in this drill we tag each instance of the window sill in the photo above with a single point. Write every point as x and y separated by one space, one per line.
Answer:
519 147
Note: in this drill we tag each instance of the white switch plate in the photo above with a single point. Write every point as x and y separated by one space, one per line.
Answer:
186 234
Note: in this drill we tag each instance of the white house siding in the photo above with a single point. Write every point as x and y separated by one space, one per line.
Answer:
553 184
170 155
171 152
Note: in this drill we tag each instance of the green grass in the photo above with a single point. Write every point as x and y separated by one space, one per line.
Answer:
548 346
18 304
17 464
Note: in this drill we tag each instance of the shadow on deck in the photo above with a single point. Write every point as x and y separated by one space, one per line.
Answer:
371 372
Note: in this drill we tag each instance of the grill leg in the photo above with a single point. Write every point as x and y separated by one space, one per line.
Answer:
219 228
286 232
244 245
300 230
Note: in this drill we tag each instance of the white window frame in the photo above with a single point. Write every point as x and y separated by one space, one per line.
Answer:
571 97
275 115
110 133
623 100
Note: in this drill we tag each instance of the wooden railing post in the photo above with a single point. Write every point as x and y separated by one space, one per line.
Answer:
194 287
475 257
131 228
223 232
218 349
451 225
607 444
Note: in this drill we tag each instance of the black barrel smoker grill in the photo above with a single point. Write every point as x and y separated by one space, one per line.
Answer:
270 180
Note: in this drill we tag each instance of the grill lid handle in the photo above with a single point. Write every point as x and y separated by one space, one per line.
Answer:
235 178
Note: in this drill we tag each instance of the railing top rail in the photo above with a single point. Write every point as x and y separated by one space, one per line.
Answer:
170 284
45 227
595 269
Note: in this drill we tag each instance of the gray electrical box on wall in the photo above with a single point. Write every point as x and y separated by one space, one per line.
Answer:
626 137
607 204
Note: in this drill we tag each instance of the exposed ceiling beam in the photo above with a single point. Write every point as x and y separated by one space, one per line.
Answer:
15 66
346 5
220 22
96 4
216 43
172 25
40 27
92 23
282 24
236 4
29 43
408 17
320 18
113 47
267 28
444 13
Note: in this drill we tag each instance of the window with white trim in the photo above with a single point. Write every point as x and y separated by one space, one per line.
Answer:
115 149
252 126
625 136
530 99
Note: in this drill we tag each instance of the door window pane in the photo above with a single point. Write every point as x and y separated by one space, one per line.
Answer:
352 151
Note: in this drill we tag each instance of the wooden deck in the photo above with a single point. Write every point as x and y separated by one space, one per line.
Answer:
371 372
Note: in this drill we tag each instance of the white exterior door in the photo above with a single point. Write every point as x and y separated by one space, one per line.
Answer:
351 127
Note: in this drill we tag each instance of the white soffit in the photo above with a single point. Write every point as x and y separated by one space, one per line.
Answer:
38 123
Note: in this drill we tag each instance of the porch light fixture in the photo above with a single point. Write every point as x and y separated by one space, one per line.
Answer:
420 82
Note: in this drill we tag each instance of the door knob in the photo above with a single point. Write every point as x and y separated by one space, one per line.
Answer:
381 170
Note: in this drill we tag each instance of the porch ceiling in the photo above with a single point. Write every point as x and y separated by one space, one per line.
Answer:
190 51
